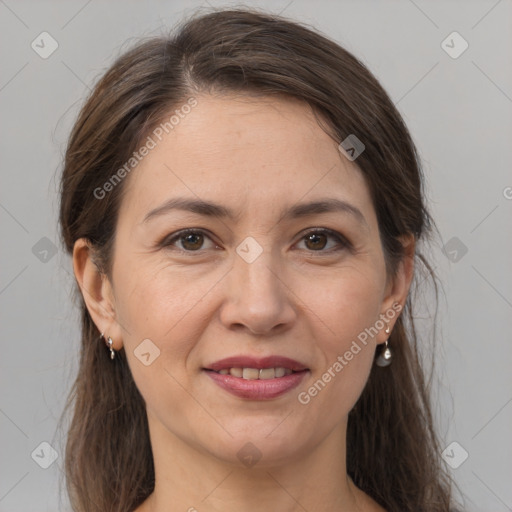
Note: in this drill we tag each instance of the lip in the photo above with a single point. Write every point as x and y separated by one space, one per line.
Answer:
256 389
257 362
265 389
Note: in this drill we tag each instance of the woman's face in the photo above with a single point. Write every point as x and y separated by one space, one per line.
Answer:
249 283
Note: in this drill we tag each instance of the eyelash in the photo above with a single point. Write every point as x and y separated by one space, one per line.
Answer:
342 241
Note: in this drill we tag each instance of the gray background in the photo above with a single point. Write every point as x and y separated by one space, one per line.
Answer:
459 112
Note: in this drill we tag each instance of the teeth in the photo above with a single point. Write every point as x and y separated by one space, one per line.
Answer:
280 372
255 373
250 373
236 372
267 373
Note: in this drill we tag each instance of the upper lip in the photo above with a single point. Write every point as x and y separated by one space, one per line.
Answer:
256 362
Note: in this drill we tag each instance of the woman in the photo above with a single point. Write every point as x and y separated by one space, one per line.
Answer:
243 203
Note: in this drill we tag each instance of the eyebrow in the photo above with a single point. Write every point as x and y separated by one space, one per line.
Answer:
210 209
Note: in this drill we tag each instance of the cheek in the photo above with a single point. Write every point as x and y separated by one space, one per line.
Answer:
153 298
347 309
152 306
345 305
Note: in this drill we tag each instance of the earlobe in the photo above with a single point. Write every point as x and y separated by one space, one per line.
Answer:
96 290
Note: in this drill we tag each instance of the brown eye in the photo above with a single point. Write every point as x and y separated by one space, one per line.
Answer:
192 241
318 241
189 240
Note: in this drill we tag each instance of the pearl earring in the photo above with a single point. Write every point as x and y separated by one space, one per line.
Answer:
386 356
109 343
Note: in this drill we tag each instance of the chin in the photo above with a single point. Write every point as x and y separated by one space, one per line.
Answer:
258 447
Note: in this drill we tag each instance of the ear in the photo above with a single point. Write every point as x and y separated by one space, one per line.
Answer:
397 287
97 292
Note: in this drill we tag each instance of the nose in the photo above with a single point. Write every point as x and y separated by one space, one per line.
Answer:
257 297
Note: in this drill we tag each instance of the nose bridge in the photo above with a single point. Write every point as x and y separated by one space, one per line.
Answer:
259 277
257 297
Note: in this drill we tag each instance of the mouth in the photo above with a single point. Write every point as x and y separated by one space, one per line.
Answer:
257 379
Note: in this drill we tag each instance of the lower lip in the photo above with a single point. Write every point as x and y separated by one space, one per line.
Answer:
264 389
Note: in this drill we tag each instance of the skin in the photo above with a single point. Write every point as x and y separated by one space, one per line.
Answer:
299 299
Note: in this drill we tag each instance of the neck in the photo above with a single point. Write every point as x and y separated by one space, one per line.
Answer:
190 479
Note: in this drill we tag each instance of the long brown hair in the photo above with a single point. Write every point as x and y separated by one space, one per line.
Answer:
392 448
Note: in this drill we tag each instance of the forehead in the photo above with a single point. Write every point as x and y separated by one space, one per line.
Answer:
246 152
